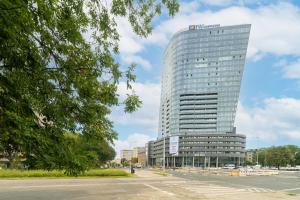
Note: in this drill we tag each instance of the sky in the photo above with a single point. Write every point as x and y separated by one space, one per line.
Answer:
268 112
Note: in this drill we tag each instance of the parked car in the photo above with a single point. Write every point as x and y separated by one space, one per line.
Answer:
138 165
229 166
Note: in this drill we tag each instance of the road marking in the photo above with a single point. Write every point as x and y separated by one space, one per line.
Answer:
290 189
216 191
211 192
254 190
158 189
67 185
54 186
260 190
293 177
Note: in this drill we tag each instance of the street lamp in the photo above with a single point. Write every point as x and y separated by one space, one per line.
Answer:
256 156
257 151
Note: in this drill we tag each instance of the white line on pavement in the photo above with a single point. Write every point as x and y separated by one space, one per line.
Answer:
49 186
254 190
67 185
290 189
158 189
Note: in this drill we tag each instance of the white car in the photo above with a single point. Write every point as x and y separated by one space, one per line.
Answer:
257 167
229 166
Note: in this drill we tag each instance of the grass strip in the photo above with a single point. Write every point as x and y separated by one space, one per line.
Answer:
14 173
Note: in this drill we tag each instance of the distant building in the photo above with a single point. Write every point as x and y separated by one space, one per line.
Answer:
136 151
142 156
127 154
251 155
203 68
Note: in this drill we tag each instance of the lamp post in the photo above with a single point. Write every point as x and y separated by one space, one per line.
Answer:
257 151
295 160
257 157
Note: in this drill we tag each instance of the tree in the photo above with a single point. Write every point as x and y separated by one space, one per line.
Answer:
292 150
75 151
73 156
262 156
103 150
278 156
124 162
58 73
247 162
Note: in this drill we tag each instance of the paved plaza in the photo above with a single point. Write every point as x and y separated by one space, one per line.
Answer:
145 185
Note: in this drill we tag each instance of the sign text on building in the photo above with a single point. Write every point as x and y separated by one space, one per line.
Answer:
174 144
202 26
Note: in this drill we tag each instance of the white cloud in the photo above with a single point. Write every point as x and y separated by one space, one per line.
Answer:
281 63
188 7
128 59
294 134
131 45
218 2
145 117
223 3
129 41
276 121
275 28
292 70
133 140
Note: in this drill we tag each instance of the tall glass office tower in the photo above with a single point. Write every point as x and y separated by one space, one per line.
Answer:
203 67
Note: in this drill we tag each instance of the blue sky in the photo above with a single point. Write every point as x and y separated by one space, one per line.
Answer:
269 108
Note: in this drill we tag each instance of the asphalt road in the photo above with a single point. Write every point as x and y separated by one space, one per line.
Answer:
285 181
146 185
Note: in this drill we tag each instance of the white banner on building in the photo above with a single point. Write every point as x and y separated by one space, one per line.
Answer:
174 144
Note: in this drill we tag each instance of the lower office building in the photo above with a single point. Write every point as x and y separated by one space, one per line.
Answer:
205 150
201 79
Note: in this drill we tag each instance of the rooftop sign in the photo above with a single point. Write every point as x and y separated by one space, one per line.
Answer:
202 26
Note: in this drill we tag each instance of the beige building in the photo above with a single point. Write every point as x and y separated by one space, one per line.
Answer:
142 156
136 151
127 154
251 155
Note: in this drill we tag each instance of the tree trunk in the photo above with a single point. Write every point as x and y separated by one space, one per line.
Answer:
10 158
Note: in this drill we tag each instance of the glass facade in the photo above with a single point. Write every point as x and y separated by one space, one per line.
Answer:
201 80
